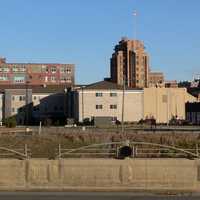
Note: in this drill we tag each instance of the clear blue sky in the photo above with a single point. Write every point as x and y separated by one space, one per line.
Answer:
84 32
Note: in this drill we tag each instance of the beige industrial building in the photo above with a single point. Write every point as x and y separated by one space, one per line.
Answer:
104 99
164 103
130 62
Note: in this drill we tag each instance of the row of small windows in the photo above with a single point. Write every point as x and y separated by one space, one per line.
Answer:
20 98
21 79
53 69
23 98
100 94
99 107
14 69
62 79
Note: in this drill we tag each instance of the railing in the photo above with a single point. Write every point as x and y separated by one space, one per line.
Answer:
19 153
139 150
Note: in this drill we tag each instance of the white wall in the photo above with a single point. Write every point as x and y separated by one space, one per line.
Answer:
133 107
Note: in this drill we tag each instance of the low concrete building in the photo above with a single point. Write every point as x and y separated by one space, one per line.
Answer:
105 99
164 103
18 103
36 103
48 105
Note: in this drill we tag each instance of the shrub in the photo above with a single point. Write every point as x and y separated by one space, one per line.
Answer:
47 122
86 122
10 122
57 123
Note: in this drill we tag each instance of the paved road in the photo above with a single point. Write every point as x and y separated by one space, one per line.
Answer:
88 196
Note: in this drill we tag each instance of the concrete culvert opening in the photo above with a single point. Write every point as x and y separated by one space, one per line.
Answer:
125 152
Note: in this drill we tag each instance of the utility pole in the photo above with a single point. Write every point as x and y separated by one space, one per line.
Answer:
123 95
82 104
168 99
27 102
65 101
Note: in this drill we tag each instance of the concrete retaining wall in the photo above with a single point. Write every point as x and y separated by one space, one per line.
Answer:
101 174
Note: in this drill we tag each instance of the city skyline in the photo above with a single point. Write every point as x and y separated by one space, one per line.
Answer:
34 31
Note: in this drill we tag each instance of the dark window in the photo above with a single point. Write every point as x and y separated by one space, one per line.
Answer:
113 106
99 107
113 94
99 94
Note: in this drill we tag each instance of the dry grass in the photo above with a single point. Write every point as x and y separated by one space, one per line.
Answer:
47 146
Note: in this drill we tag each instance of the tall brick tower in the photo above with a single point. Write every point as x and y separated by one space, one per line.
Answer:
130 62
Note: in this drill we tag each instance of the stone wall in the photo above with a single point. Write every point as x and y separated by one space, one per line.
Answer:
101 174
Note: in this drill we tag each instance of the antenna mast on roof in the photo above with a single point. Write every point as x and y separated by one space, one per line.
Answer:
135 27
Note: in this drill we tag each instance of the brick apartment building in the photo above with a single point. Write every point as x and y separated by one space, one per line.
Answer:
130 61
156 79
36 73
171 84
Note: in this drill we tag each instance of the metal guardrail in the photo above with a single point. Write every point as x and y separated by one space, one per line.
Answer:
139 149
20 153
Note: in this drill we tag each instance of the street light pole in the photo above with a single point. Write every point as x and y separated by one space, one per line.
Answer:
65 93
27 102
82 105
123 95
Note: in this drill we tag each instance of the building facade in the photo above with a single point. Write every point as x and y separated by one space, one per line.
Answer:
156 79
193 112
18 104
171 84
105 99
36 73
29 106
130 62
165 103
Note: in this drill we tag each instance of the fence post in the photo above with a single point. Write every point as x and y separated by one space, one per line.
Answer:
117 151
197 150
59 151
26 151
136 151
40 128
133 149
